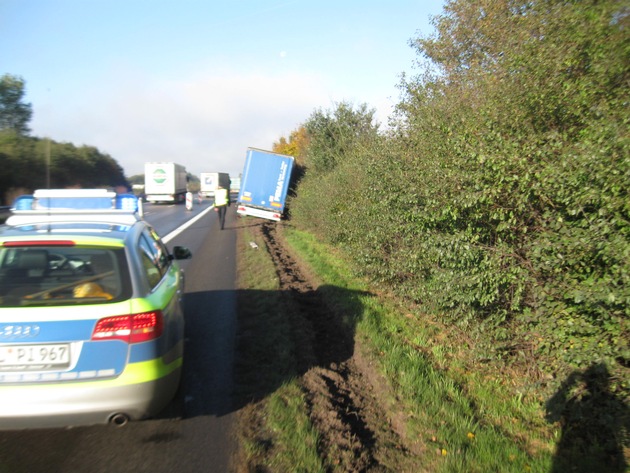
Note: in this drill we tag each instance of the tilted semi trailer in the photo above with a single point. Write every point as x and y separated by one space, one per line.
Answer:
264 184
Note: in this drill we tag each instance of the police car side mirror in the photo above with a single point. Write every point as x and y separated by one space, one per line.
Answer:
181 252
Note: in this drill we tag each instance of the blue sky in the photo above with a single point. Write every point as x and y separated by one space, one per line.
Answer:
197 82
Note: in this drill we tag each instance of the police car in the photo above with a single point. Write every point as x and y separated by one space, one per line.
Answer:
91 312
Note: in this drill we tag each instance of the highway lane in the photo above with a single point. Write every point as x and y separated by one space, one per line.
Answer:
194 433
167 218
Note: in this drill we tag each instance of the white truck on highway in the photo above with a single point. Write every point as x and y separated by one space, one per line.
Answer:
165 182
209 181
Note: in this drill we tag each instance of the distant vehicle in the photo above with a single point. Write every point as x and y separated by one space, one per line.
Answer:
209 181
91 312
235 185
138 191
264 184
165 182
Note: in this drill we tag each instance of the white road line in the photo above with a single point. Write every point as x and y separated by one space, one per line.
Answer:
177 231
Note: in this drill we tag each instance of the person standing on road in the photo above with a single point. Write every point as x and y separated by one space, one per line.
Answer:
221 201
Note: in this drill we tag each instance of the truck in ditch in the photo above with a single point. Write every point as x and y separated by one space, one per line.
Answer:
264 184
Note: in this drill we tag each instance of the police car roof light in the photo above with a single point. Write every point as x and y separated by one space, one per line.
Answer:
73 199
127 202
77 201
23 202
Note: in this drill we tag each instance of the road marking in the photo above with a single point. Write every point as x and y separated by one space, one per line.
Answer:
177 231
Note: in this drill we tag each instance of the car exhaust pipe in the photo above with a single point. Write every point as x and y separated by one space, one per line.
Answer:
119 419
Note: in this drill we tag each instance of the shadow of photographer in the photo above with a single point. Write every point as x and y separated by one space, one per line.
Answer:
595 423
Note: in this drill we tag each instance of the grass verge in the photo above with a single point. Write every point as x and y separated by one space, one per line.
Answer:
275 433
465 420
462 413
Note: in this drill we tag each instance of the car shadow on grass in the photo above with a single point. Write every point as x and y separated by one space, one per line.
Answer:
242 345
285 334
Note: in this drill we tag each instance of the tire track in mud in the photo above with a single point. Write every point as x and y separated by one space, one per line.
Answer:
334 388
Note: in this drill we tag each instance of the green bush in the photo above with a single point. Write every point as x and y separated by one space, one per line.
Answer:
499 199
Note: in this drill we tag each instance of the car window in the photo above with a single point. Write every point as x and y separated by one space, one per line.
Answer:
61 275
155 259
163 259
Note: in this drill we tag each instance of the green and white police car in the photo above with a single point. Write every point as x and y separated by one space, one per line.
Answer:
91 312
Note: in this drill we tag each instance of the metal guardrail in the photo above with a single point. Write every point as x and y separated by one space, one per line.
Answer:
5 211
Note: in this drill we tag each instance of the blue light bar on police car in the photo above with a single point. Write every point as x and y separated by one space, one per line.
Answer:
77 200
127 202
74 199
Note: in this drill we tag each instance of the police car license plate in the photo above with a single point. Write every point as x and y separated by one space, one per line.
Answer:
30 355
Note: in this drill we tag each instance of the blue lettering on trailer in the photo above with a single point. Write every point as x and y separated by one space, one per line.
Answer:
280 185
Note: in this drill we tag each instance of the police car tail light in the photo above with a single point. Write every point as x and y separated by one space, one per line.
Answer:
146 326
134 328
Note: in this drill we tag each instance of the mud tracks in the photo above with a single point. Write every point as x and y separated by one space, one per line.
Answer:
342 402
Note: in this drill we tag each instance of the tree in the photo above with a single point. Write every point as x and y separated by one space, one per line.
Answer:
334 134
17 164
295 146
14 113
518 139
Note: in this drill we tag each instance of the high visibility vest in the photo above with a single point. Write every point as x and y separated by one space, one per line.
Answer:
220 197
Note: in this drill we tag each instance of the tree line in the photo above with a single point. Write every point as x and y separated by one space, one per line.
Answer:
28 162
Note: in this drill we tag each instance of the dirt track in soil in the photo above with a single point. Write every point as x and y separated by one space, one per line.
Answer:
346 397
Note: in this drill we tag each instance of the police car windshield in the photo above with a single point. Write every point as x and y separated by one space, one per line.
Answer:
51 275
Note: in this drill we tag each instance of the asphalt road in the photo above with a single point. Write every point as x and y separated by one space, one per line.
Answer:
194 433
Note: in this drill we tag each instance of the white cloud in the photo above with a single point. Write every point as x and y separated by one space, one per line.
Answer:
205 122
